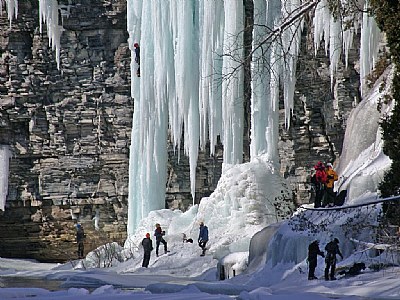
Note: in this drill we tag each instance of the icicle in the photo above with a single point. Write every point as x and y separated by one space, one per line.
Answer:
291 46
232 85
210 102
48 13
186 79
12 9
265 83
370 37
321 23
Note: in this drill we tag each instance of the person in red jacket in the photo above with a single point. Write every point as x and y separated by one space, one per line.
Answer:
318 180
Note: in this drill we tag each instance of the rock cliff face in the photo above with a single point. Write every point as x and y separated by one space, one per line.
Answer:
69 130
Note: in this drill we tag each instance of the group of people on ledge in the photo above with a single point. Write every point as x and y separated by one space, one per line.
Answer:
147 243
322 187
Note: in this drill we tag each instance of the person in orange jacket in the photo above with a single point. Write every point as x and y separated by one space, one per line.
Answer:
329 185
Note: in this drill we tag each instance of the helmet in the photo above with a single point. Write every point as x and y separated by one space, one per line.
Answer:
329 165
336 240
78 225
147 235
136 45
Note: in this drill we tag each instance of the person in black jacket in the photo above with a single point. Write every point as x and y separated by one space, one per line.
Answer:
313 252
147 244
159 234
80 239
332 249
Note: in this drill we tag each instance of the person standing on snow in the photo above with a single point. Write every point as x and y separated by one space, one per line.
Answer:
147 244
80 239
159 233
203 238
319 180
330 181
313 252
332 249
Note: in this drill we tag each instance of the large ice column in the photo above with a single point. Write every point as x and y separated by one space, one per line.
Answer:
167 93
232 84
134 13
151 91
185 106
4 167
12 8
211 42
265 82
274 65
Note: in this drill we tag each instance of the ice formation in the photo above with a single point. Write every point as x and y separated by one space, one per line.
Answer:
338 36
48 13
191 81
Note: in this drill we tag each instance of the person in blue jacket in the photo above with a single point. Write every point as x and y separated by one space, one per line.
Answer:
203 238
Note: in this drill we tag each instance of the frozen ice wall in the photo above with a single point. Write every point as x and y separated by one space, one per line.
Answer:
4 165
362 163
149 24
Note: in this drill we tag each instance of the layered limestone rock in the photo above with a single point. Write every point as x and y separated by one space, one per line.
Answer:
68 130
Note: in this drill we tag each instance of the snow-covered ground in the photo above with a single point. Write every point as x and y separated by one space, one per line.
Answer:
166 279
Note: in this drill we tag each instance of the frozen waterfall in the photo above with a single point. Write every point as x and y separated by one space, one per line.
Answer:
191 81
